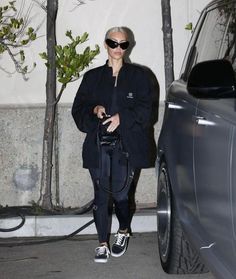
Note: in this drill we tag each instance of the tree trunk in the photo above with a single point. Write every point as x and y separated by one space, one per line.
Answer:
56 157
45 199
168 42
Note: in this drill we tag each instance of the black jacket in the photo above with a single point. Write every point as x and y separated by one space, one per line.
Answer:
134 107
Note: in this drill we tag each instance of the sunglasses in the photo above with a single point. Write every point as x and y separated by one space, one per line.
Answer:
113 44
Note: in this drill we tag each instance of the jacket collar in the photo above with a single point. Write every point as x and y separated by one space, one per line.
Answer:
109 69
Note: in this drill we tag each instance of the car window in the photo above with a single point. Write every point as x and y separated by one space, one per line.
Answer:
210 38
191 49
228 47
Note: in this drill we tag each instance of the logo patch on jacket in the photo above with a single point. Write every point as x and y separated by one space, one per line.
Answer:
130 95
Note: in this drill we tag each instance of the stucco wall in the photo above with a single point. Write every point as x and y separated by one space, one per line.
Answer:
144 18
21 133
22 102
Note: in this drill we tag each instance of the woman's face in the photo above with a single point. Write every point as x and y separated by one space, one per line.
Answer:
116 53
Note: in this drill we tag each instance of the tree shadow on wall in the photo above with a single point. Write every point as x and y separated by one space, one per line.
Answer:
153 147
155 95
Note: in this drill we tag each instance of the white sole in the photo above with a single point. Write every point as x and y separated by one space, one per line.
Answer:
100 260
118 255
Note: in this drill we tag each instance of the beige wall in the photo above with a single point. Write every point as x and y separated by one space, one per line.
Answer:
22 102
142 17
21 132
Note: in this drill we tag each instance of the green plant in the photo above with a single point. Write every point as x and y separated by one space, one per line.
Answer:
69 62
15 34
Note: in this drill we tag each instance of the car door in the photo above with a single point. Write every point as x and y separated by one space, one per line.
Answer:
180 109
205 45
228 52
213 139
214 147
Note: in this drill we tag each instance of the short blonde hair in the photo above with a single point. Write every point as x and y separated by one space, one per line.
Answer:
116 29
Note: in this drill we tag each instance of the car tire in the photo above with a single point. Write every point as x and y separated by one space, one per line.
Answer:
176 254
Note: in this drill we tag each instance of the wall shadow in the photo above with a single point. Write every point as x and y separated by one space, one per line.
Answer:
155 95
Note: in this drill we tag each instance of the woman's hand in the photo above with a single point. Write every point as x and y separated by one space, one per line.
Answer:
114 122
99 111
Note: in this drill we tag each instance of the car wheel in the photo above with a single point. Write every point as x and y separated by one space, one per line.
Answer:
176 254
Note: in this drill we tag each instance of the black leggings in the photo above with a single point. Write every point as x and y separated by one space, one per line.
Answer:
109 181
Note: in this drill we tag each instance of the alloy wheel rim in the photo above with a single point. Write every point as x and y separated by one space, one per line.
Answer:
164 215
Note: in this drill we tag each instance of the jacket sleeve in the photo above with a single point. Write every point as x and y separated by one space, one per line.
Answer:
82 108
140 113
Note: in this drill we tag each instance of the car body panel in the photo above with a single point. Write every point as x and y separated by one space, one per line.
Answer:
198 144
213 139
179 108
200 151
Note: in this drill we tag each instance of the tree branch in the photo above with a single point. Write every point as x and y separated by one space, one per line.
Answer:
18 67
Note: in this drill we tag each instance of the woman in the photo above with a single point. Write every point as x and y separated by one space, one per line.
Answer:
118 95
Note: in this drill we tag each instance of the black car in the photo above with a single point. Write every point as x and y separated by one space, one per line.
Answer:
196 165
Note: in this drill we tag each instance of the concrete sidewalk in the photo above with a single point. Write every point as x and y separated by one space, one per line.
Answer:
58 225
73 259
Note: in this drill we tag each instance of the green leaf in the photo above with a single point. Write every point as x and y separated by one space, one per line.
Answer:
25 42
30 30
64 80
84 37
32 36
2 48
69 35
43 55
189 26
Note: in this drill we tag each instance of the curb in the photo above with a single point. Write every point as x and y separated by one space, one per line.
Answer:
41 226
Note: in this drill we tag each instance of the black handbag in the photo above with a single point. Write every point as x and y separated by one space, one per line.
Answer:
105 137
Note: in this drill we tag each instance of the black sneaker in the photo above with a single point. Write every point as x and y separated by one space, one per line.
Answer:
101 254
120 245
